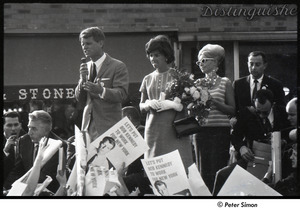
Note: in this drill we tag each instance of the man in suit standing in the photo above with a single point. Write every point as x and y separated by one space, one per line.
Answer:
253 124
103 85
39 126
246 87
12 130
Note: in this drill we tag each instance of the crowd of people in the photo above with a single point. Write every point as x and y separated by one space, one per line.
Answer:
242 112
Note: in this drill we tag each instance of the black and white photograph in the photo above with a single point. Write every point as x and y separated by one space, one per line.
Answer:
217 83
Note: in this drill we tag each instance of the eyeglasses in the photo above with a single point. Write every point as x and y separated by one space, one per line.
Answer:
204 60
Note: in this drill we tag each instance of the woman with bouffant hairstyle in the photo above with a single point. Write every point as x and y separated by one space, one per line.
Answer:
213 140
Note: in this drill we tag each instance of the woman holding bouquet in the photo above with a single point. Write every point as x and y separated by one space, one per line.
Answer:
213 141
159 132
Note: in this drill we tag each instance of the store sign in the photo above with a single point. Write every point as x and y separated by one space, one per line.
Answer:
249 12
38 92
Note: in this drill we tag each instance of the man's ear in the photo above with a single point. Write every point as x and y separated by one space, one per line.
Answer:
265 65
101 43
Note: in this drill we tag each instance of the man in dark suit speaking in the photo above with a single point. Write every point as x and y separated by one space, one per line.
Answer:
103 85
245 88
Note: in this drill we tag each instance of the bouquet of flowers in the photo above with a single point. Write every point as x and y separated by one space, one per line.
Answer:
193 94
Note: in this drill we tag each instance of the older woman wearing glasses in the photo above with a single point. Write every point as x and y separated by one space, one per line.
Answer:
213 141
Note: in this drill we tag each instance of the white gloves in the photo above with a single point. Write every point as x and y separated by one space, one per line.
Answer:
154 104
168 104
162 105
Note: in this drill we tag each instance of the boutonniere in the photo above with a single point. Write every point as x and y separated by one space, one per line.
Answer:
265 86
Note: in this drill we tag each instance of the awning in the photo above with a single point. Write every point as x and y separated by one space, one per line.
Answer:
238 36
39 92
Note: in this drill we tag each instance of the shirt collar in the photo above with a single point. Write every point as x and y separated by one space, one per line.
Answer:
259 79
100 61
271 117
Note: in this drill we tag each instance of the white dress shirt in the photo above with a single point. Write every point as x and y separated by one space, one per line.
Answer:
271 117
252 84
98 64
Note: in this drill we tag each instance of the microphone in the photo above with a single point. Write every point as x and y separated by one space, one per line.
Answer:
84 77
83 60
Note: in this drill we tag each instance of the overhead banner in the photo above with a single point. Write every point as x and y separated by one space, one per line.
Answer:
39 92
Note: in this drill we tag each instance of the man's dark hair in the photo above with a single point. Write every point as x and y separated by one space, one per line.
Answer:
162 44
263 95
11 114
159 183
259 53
109 139
38 104
94 32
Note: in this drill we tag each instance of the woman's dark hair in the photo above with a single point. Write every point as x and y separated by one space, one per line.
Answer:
162 44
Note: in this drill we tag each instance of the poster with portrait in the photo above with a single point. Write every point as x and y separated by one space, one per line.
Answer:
167 175
242 183
121 143
98 181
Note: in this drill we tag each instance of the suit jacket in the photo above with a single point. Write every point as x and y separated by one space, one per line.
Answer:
9 161
113 75
249 126
25 162
243 95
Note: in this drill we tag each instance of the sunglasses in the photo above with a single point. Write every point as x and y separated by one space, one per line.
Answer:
204 60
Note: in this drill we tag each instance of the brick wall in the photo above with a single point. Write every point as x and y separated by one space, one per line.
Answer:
71 18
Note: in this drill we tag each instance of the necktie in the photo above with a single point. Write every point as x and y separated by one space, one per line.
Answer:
267 125
35 151
94 72
254 90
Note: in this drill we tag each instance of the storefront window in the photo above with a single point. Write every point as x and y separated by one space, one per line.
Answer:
282 62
